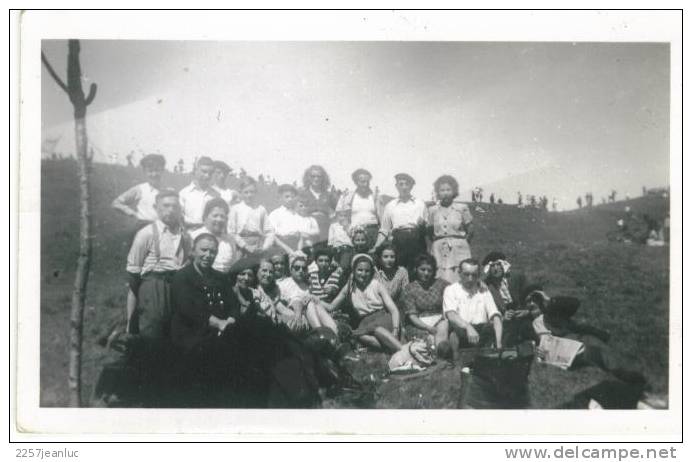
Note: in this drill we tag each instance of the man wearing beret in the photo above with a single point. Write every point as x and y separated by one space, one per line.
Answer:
139 201
403 221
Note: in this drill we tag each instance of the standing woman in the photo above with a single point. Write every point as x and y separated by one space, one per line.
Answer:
320 202
450 229
379 317
247 221
364 204
215 219
390 274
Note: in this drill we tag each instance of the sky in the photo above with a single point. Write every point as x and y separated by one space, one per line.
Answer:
558 119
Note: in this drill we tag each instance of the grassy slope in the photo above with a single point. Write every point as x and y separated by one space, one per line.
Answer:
622 288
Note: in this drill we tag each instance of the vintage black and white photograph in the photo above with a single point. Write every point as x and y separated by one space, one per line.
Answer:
354 224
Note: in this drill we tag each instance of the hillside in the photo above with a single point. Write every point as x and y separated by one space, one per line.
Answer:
623 288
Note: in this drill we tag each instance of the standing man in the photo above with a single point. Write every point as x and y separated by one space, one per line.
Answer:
364 205
138 202
403 221
470 309
195 196
157 252
221 172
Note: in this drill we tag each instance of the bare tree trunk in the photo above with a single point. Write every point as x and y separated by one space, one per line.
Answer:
80 103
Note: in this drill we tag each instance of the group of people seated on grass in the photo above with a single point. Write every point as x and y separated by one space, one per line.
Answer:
221 281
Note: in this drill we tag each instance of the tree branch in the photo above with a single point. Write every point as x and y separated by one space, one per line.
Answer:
92 94
52 73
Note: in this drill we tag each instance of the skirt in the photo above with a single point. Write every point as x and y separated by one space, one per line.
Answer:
372 321
448 253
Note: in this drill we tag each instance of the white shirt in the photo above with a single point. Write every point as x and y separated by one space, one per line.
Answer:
245 219
476 308
399 214
229 195
338 236
192 202
363 210
142 258
227 253
286 222
291 291
141 199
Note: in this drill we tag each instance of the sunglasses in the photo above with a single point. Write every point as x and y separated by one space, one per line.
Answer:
298 268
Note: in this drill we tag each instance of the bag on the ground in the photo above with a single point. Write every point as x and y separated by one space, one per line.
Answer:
498 379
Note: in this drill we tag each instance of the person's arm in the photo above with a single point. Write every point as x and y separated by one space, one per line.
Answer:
385 227
391 307
124 203
338 300
497 326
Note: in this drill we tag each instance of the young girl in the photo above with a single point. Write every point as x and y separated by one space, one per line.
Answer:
247 220
307 310
392 276
340 239
379 316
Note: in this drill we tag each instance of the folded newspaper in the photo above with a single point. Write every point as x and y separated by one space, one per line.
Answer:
559 351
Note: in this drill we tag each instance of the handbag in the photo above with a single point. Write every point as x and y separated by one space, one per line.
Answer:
498 379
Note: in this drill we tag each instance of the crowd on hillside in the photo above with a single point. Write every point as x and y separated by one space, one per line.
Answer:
229 285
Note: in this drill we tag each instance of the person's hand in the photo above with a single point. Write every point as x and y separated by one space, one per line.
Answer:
472 335
521 313
541 353
510 314
331 290
432 330
396 332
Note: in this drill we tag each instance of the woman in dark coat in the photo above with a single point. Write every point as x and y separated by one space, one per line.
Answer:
229 359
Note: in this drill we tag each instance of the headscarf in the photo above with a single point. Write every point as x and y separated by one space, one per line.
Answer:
296 256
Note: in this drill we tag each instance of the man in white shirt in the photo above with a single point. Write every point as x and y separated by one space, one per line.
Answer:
195 196
470 308
403 221
219 177
139 201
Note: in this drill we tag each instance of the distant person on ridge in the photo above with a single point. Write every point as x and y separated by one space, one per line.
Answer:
579 203
221 171
139 201
195 196
404 221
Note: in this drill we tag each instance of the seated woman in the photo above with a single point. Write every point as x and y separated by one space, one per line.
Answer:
307 310
553 316
379 316
268 294
391 275
280 263
422 300
215 218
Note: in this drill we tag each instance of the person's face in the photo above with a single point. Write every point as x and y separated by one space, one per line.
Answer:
323 263
219 177
533 308
343 217
203 175
468 276
279 267
153 174
168 209
245 279
204 253
363 181
445 192
216 221
249 193
496 271
288 199
316 178
424 272
404 187
360 241
301 208
363 272
388 259
298 270
265 273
